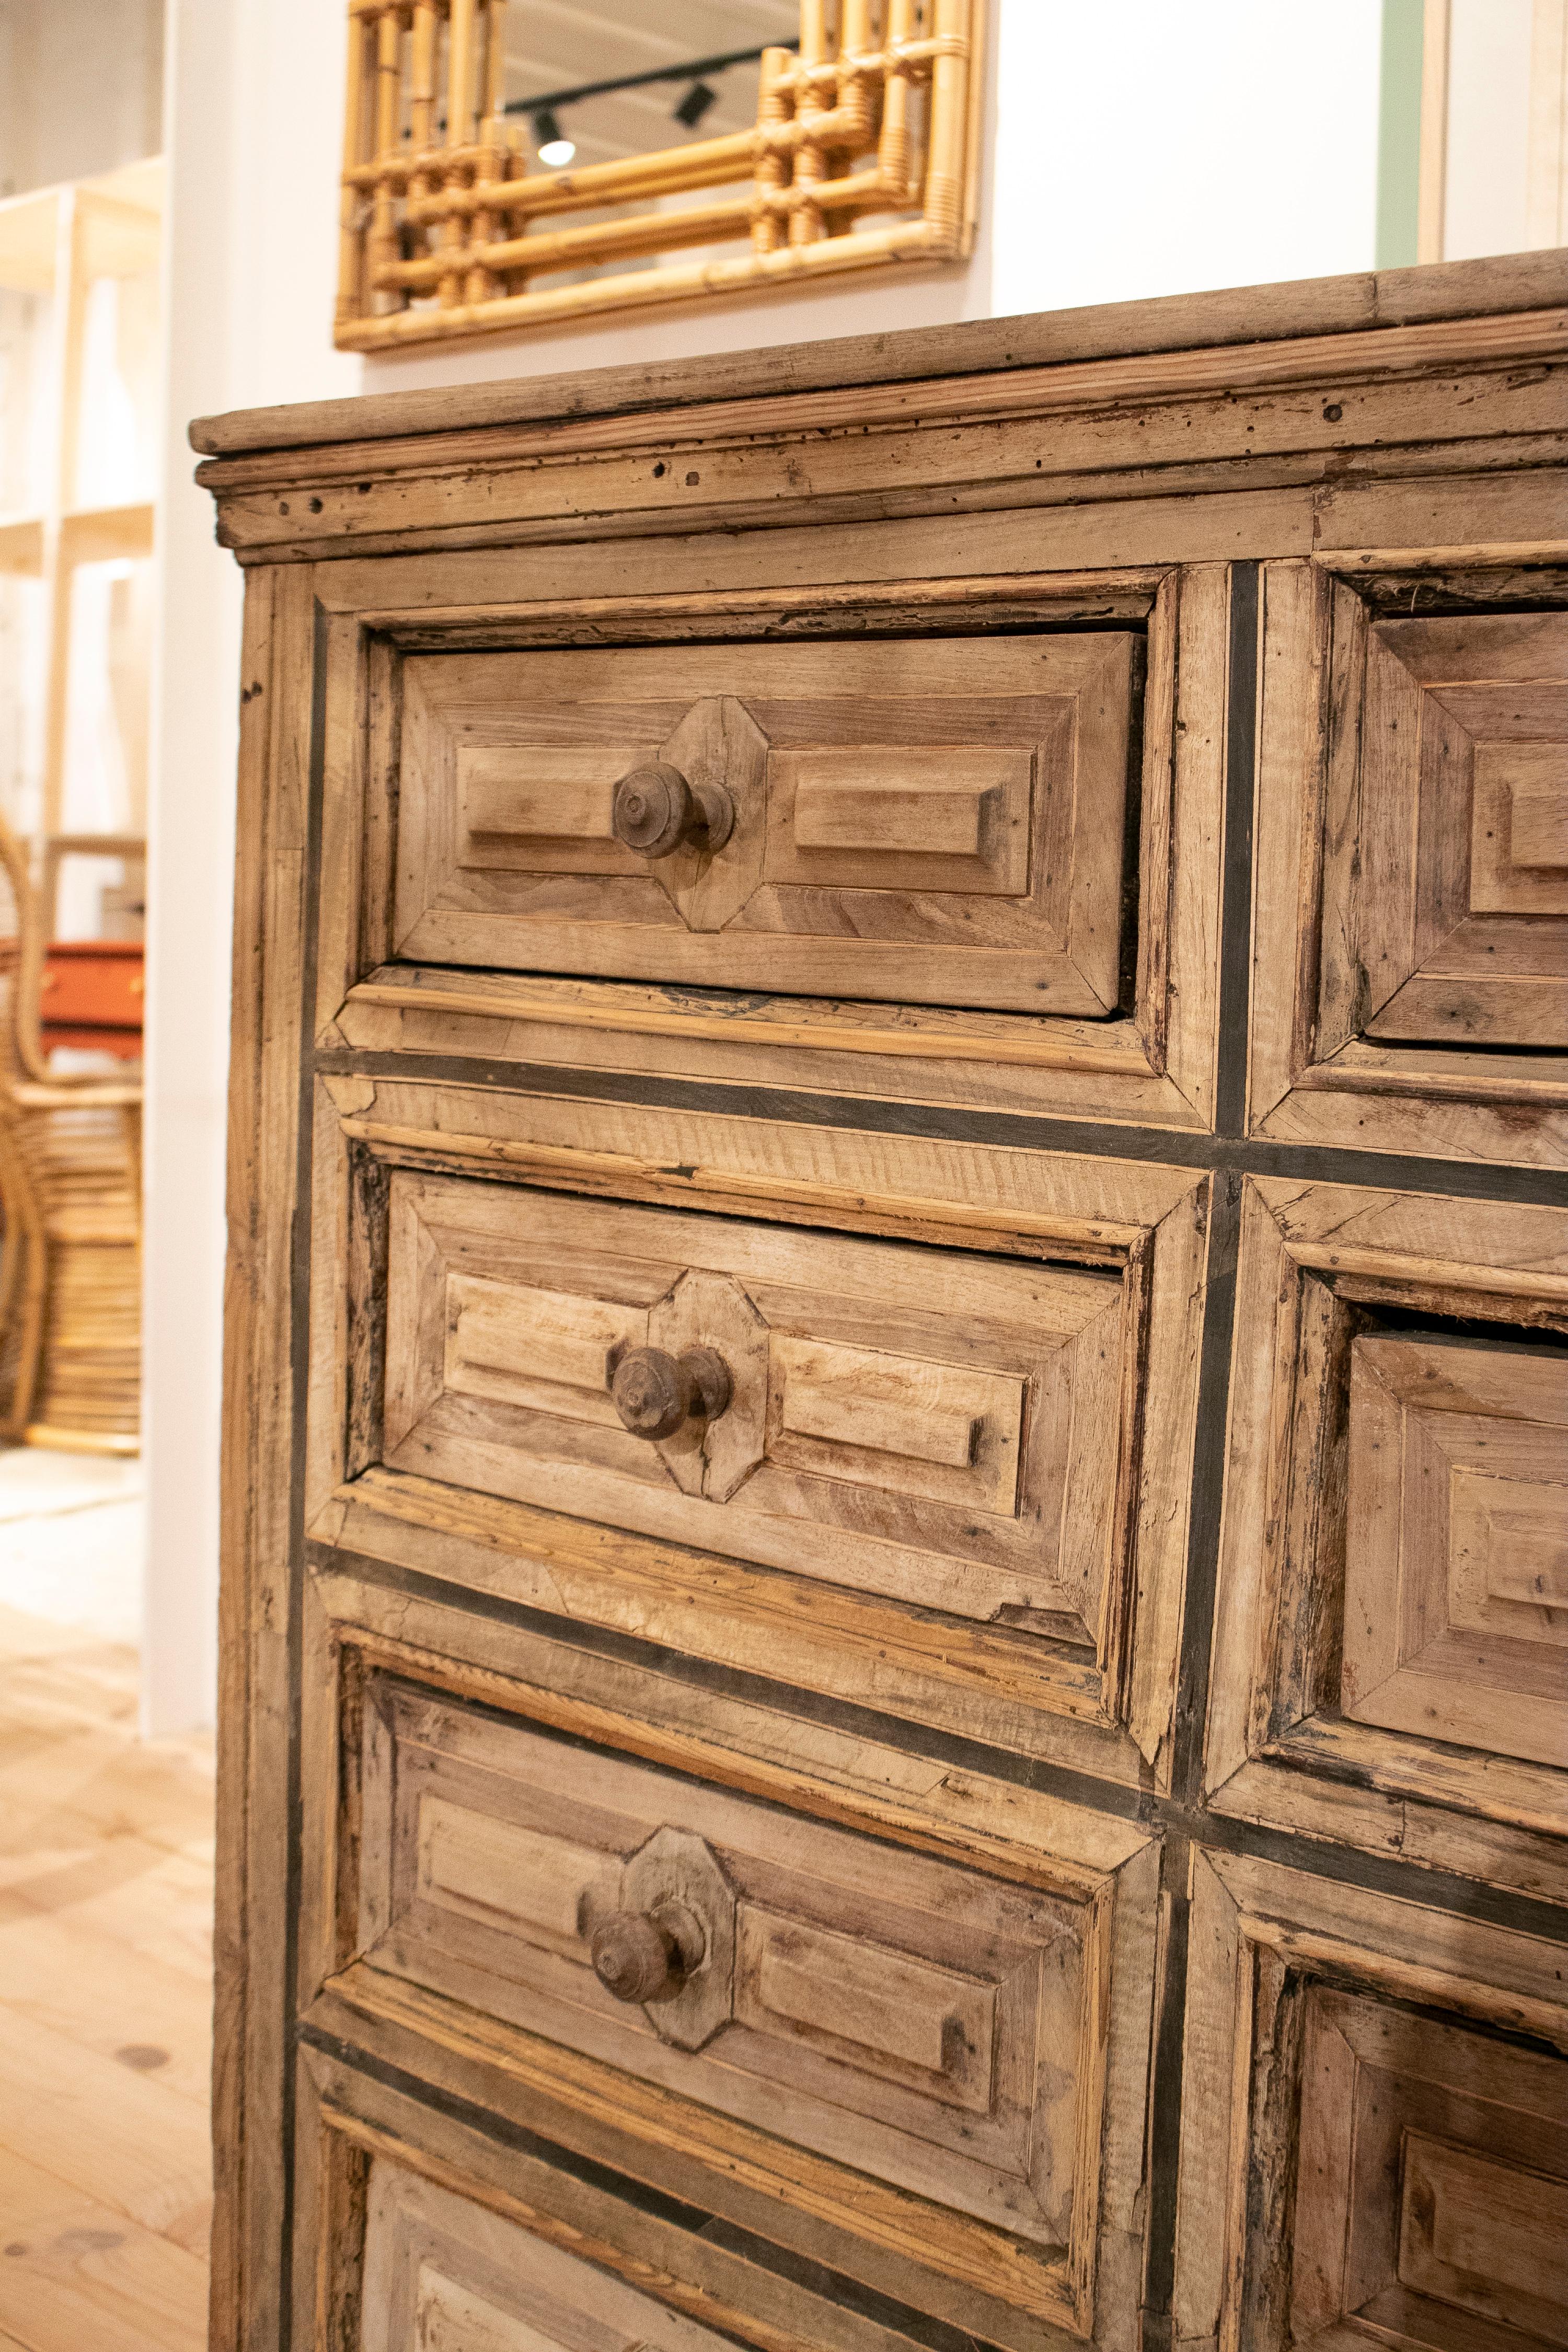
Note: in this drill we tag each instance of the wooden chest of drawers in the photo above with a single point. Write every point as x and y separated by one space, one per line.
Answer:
896 1598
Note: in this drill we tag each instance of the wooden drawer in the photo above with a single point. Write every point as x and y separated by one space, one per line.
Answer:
942 1428
1373 2152
442 2274
1456 864
941 822
951 1479
895 2023
890 2064
1456 1553
1411 911
911 2019
1393 1628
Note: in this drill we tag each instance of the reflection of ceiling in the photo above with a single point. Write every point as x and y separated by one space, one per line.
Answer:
555 44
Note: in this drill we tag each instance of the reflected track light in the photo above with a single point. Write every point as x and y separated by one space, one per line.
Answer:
695 104
554 150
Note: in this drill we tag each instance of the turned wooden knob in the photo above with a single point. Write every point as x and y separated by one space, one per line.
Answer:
653 1392
655 810
641 1956
633 1958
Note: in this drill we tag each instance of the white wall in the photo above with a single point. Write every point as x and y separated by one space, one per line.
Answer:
1151 149
1486 183
78 88
252 139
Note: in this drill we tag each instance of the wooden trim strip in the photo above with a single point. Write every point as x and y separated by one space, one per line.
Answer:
1474 556
1026 1052
1118 593
948 402
1439 1074
1325 310
1390 1267
547 1159
1408 1980
906 2226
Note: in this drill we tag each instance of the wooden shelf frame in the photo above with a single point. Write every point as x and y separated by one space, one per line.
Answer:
59 241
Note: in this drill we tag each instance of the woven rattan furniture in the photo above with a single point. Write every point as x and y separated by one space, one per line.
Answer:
70 1217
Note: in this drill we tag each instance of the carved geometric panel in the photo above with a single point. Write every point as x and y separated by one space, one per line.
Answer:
899 2013
1374 2142
943 822
1457 1559
1447 876
1436 2208
947 1431
1391 1630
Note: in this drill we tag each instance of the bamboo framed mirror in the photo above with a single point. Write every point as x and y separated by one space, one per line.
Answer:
478 195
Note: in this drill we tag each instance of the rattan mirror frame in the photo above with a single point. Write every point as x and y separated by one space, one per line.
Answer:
876 119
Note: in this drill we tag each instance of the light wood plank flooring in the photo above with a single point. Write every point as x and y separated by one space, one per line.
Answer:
105 2006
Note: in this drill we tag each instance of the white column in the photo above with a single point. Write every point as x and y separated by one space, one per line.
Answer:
252 101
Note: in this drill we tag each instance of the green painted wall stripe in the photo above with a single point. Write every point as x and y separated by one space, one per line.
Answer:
1399 133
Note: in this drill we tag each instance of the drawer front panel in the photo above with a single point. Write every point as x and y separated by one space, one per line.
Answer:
443 2274
1385 2098
940 1428
898 2013
942 823
1461 926
1457 1557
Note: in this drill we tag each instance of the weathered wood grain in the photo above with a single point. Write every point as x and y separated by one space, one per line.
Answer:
1236 317
479 1633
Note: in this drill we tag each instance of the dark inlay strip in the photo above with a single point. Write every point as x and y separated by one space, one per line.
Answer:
1165 2121
798 2270
1236 910
1383 1874
1208 1485
939 1123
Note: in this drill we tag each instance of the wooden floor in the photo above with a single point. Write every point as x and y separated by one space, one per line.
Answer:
105 2000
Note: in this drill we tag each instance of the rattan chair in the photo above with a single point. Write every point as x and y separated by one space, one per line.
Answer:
70 1203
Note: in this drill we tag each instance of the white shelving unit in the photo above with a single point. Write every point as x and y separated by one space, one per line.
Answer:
78 378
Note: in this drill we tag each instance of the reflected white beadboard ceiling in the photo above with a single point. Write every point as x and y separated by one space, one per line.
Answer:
554 45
